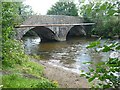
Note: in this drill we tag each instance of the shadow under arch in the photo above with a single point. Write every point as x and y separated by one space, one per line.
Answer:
30 33
44 33
76 31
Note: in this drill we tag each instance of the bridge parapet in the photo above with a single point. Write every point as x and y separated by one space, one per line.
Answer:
52 19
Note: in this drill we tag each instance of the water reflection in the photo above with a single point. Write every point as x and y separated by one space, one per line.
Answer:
31 44
68 55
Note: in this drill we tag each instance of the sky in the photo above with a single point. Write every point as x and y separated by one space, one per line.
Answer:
41 6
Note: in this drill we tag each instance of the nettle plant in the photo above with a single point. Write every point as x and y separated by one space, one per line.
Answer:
106 74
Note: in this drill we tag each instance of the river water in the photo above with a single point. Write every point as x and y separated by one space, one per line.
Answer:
69 55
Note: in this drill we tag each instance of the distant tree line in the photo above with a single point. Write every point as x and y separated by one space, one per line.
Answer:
63 8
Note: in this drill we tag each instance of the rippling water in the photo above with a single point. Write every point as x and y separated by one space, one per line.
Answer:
69 55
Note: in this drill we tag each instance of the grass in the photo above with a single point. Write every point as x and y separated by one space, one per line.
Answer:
27 75
18 81
32 68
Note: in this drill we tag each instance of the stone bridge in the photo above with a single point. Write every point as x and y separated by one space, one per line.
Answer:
53 27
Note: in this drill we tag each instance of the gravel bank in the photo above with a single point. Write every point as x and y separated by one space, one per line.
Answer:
65 78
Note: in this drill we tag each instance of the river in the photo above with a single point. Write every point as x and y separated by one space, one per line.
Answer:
70 54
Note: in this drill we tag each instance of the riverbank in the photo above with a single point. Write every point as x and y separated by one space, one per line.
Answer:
65 78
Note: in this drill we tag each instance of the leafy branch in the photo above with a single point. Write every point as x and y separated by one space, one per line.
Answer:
105 73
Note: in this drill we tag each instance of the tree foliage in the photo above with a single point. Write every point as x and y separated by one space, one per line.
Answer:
105 73
25 11
12 50
63 8
9 18
13 13
106 16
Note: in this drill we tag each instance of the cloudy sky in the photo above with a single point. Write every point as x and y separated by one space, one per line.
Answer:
41 6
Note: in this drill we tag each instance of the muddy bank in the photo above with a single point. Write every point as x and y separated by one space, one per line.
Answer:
65 78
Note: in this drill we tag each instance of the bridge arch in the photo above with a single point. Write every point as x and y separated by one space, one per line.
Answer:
76 30
45 33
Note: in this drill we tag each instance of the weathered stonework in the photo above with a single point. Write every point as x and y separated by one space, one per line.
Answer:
58 33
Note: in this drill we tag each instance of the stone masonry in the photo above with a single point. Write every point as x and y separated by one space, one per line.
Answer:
58 33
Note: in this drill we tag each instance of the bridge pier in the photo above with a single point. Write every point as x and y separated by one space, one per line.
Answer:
60 32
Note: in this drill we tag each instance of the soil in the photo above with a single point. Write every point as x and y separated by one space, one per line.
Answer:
65 78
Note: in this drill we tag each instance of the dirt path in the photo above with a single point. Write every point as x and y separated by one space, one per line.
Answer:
65 78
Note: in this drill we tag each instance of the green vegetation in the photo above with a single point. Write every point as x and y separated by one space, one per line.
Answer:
18 70
63 8
106 16
18 81
105 75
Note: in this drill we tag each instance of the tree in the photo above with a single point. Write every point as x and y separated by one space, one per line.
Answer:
10 16
63 8
13 13
12 51
106 16
25 11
